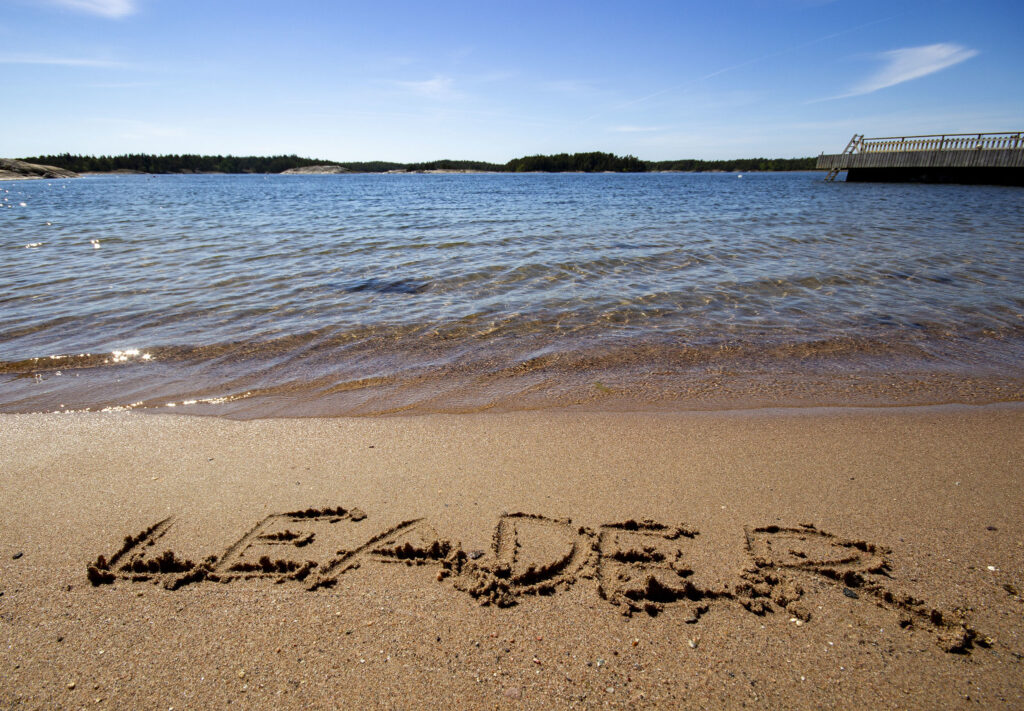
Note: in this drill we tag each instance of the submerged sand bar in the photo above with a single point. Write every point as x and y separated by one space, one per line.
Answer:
776 558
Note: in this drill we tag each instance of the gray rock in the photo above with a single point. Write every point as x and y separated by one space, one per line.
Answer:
317 170
11 169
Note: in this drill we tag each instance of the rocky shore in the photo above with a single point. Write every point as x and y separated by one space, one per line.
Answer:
11 169
317 170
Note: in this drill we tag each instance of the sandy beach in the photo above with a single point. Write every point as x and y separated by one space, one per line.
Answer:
808 558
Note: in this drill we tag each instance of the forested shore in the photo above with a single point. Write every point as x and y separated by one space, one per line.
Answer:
594 162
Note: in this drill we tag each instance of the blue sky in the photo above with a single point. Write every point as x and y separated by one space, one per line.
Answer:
410 81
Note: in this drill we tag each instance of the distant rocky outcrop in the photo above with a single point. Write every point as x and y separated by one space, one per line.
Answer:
11 169
317 170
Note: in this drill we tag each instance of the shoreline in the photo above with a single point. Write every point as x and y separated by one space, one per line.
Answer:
748 514
20 170
62 386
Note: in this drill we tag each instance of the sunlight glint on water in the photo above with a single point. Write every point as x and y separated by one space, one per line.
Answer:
350 294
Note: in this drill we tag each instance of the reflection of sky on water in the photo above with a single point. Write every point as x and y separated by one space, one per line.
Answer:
306 275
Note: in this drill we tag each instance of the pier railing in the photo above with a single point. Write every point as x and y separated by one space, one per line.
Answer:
947 142
976 158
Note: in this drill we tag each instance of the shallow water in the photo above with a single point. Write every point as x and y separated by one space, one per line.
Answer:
359 294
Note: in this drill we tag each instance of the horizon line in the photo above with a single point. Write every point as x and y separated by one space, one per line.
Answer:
330 161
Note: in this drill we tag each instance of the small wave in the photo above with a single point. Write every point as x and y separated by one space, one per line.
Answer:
429 368
374 291
608 336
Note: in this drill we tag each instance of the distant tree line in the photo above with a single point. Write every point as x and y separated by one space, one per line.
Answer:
594 162
372 166
455 165
577 163
733 166
187 163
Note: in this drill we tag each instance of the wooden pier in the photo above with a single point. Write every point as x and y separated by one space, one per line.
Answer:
967 158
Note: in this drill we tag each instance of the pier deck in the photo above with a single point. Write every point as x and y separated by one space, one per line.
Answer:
976 158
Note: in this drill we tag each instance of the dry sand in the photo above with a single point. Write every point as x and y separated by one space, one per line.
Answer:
770 559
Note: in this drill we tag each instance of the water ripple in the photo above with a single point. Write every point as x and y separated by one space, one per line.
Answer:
251 284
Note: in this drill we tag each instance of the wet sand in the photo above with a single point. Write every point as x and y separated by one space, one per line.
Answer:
806 558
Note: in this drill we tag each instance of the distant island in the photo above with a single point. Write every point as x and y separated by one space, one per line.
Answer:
594 162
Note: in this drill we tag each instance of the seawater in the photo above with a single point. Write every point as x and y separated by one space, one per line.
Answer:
263 295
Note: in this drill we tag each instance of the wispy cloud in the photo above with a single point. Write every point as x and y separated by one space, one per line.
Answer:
902 65
104 8
438 87
59 61
909 121
637 129
121 85
734 67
